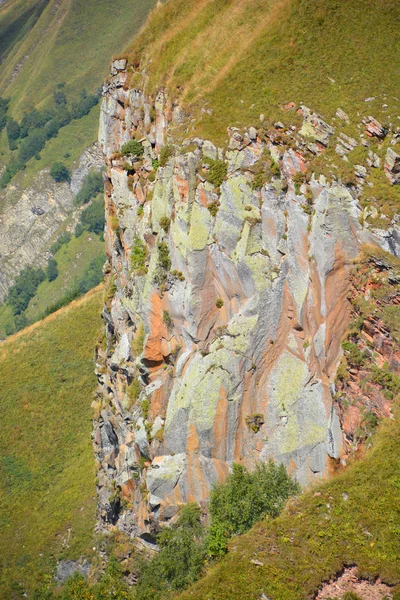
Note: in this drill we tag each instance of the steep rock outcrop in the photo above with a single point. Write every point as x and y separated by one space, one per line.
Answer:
226 307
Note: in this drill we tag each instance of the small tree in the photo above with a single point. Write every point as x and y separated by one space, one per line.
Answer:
180 560
60 172
245 498
52 270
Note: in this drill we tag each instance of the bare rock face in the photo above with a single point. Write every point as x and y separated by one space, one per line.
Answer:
30 218
224 316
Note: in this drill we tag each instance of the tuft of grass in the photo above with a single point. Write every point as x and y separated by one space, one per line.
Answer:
47 478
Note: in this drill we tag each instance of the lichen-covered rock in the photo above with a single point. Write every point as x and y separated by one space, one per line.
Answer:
226 310
392 166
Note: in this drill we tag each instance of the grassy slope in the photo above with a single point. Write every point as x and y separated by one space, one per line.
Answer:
71 41
249 57
73 259
47 479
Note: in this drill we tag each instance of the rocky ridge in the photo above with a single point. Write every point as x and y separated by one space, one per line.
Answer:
228 283
31 218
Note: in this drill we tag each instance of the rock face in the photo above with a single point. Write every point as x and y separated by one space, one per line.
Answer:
31 217
226 308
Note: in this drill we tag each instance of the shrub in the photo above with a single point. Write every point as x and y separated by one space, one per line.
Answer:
51 128
31 145
11 169
3 112
165 223
165 155
13 133
219 303
24 288
244 499
133 147
59 97
93 217
60 172
164 260
52 270
138 256
91 186
213 207
64 238
217 171
83 106
167 319
180 560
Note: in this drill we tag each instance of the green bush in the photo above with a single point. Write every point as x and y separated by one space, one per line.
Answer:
133 147
3 112
31 145
60 172
164 260
63 239
216 172
138 256
165 155
93 217
180 560
13 133
52 270
11 169
24 288
245 498
92 185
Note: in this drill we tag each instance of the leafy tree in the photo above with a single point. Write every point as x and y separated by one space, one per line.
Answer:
245 498
13 133
35 119
52 270
51 128
3 112
24 288
92 218
92 185
60 172
180 560
83 106
31 145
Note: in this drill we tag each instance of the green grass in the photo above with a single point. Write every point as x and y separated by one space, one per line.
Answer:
47 478
73 259
244 58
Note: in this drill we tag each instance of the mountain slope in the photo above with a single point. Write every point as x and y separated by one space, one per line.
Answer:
241 59
47 479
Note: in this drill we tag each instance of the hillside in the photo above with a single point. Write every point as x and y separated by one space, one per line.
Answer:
47 477
51 47
237 60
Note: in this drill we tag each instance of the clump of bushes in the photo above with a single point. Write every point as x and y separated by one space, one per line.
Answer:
245 498
92 219
180 560
59 172
216 171
92 185
25 288
133 148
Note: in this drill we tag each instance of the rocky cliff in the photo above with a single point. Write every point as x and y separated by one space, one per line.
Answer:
31 218
228 280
